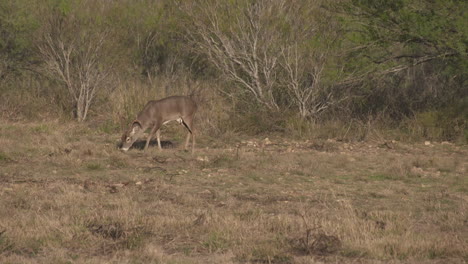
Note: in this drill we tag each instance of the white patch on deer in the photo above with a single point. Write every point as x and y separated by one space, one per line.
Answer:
179 120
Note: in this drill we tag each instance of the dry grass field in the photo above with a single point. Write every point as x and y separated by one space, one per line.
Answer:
67 195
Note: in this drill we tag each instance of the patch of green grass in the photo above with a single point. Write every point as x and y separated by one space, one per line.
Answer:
269 254
445 170
298 172
109 127
345 177
353 253
216 241
94 166
20 202
187 250
254 177
271 249
376 195
448 203
416 179
42 128
10 130
6 244
118 162
462 189
248 215
337 181
4 157
135 240
222 161
381 177
30 247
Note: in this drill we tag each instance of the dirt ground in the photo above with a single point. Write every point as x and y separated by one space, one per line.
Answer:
68 195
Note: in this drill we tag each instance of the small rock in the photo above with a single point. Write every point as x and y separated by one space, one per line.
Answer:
138 183
267 141
251 144
205 192
417 171
427 143
204 159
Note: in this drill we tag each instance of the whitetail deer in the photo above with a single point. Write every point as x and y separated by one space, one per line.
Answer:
157 113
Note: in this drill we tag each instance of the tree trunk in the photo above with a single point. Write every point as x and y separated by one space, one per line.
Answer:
80 107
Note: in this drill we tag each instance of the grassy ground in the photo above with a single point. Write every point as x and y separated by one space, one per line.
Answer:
67 195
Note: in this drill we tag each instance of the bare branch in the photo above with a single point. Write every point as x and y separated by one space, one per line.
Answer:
74 60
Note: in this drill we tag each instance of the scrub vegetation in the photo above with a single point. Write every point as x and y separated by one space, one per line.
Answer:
327 131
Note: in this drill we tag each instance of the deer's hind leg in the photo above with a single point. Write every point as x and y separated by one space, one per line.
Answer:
188 123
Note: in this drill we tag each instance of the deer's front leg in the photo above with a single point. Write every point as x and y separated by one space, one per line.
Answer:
158 137
151 134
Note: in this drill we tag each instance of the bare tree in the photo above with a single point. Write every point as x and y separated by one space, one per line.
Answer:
266 47
241 41
303 80
305 56
73 54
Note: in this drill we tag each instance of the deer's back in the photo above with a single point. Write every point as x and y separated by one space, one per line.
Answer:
169 108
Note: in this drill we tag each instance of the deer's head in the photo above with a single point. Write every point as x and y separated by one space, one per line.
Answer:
131 135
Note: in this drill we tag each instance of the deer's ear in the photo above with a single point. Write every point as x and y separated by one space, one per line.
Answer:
136 123
136 126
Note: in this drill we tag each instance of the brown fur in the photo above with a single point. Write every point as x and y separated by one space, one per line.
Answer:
156 113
